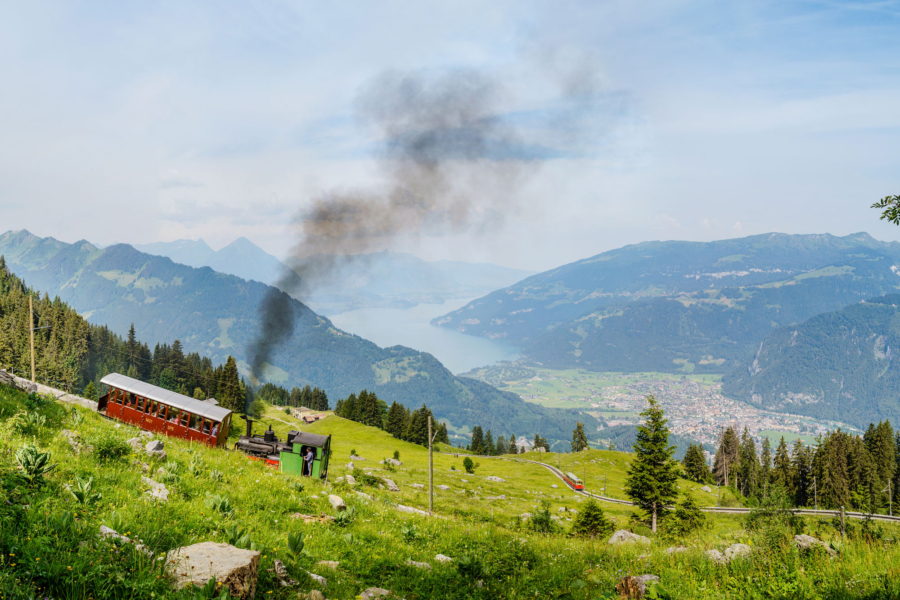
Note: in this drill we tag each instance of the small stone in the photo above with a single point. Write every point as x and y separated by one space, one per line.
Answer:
373 592
337 503
312 595
737 551
525 515
350 465
317 578
442 558
674 549
418 486
464 480
146 434
364 496
494 478
135 443
445 488
807 542
410 509
562 509
350 479
706 489
716 556
626 537
554 486
391 486
328 564
391 461
354 457
153 446
339 480
418 565
157 490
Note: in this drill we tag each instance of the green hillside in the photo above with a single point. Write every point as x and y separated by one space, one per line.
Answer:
840 365
216 315
49 547
692 307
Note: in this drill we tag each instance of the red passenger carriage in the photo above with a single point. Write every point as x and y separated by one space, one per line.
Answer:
160 410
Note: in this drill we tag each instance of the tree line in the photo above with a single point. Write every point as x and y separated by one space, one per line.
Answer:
411 426
841 469
72 354
310 397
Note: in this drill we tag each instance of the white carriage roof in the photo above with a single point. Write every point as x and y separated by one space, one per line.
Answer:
201 408
573 477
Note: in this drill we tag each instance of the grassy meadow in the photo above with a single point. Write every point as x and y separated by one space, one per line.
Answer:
49 546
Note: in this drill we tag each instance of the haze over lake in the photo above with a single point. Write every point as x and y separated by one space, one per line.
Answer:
410 327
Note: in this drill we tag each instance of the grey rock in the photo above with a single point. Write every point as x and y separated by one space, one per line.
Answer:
281 573
418 486
716 556
441 558
411 510
317 578
562 509
154 446
339 480
337 503
136 444
236 569
737 551
554 486
312 595
707 489
146 434
494 478
418 565
674 549
444 488
350 465
350 479
806 542
364 496
106 532
391 486
391 461
354 457
373 592
626 537
328 564
157 490
525 515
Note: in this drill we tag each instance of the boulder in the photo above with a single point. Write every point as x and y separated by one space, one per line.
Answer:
391 461
328 564
562 509
136 444
495 479
154 446
626 537
373 592
364 496
236 569
635 587
441 558
737 551
106 532
445 488
716 556
418 565
350 479
146 434
318 579
350 465
354 457
674 549
554 486
808 542
410 509
707 489
157 490
337 503
391 486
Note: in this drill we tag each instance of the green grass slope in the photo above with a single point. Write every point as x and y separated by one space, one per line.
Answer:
49 546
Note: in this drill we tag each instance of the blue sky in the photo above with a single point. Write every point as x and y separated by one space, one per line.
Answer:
145 122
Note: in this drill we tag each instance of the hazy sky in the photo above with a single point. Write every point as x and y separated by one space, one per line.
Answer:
147 122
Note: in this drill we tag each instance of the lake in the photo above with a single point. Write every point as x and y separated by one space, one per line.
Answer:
411 327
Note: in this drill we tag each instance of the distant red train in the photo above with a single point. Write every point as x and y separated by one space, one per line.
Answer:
163 411
573 481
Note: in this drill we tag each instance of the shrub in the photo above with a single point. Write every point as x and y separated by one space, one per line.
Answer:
688 517
345 518
469 465
591 521
353 452
396 455
470 568
33 463
540 521
220 504
110 448
82 493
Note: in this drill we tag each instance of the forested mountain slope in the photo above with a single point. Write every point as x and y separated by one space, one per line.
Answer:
691 306
215 315
841 365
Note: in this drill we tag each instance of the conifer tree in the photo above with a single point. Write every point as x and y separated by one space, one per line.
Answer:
726 456
489 448
231 395
396 420
591 522
579 438
781 468
306 397
513 448
294 398
90 392
801 474
443 436
694 464
348 410
765 470
652 473
477 443
501 445
748 466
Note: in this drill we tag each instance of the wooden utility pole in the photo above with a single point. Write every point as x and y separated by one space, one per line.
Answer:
430 471
31 331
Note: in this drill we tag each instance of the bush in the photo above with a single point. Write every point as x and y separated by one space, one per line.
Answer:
469 465
396 455
687 518
540 521
33 463
591 521
110 448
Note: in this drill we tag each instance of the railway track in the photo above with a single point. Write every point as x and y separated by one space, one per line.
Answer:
717 509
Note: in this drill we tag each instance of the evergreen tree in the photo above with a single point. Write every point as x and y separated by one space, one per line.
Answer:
513 448
501 445
306 398
540 442
339 407
694 464
477 443
443 436
396 421
489 448
232 396
591 522
726 456
765 470
90 392
294 398
801 474
781 468
652 473
198 394
748 466
349 410
579 438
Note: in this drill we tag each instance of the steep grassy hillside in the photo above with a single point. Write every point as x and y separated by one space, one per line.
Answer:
49 546
216 315
841 365
680 306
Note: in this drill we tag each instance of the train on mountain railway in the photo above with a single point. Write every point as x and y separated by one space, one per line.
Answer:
159 410
574 482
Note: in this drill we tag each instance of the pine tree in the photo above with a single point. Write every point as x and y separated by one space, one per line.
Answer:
513 448
579 438
726 456
591 522
90 392
306 397
748 466
198 394
443 436
652 473
501 445
489 448
765 470
232 396
694 464
477 443
348 410
801 474
781 468
396 420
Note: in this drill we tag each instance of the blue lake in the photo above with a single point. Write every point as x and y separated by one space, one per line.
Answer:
411 327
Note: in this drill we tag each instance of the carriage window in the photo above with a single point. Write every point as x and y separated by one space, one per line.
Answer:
162 412
128 399
174 413
184 418
119 395
206 426
195 422
152 407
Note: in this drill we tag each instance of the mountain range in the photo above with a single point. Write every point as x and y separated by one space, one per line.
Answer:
336 284
215 314
680 306
842 365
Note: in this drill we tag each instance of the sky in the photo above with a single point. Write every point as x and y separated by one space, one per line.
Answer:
144 122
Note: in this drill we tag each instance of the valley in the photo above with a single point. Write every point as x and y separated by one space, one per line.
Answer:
695 405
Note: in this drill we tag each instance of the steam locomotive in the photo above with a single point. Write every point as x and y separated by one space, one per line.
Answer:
287 456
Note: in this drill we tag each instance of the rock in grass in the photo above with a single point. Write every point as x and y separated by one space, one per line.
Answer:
807 542
354 457
339 480
373 592
418 486
635 587
312 595
318 579
157 490
445 488
364 496
495 479
706 489
236 569
410 509
350 479
737 551
146 434
716 556
442 558
337 503
106 532
154 446
418 565
391 461
674 549
136 444
391 486
328 564
554 486
350 465
626 537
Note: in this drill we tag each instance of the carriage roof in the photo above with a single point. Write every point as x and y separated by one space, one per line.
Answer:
201 408
573 477
308 439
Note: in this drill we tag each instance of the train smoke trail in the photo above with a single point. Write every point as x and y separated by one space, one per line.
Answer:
452 160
